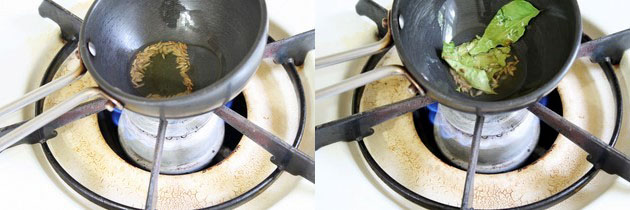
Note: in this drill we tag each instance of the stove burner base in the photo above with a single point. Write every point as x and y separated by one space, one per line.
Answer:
190 144
506 141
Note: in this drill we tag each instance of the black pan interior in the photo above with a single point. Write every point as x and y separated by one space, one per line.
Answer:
545 51
219 35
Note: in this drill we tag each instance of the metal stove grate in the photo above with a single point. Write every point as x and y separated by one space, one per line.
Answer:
109 204
431 204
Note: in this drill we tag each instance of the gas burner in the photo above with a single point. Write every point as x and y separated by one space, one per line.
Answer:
109 124
507 140
426 128
190 144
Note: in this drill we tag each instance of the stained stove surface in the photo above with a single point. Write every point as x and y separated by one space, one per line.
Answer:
27 180
345 181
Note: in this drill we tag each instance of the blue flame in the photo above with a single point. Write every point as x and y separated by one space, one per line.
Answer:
543 101
432 111
116 115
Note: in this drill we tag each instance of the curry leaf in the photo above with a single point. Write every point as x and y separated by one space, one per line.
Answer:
465 65
479 60
507 26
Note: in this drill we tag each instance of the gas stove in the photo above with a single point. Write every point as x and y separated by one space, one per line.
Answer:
90 164
406 162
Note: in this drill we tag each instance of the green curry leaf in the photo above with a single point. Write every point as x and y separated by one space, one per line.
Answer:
507 26
479 60
468 67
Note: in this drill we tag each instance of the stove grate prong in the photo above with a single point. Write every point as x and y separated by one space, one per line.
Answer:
285 156
605 157
291 50
358 126
468 197
152 193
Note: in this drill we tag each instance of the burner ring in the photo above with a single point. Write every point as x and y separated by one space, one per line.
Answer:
232 203
432 204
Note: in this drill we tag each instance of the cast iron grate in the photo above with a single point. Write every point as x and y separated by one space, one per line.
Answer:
408 194
109 204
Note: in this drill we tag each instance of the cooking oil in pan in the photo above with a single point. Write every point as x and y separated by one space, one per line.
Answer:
166 69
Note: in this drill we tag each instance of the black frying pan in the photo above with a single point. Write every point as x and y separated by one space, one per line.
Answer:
546 50
226 40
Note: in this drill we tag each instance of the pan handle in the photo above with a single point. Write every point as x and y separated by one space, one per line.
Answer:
73 63
41 120
370 49
365 78
76 70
